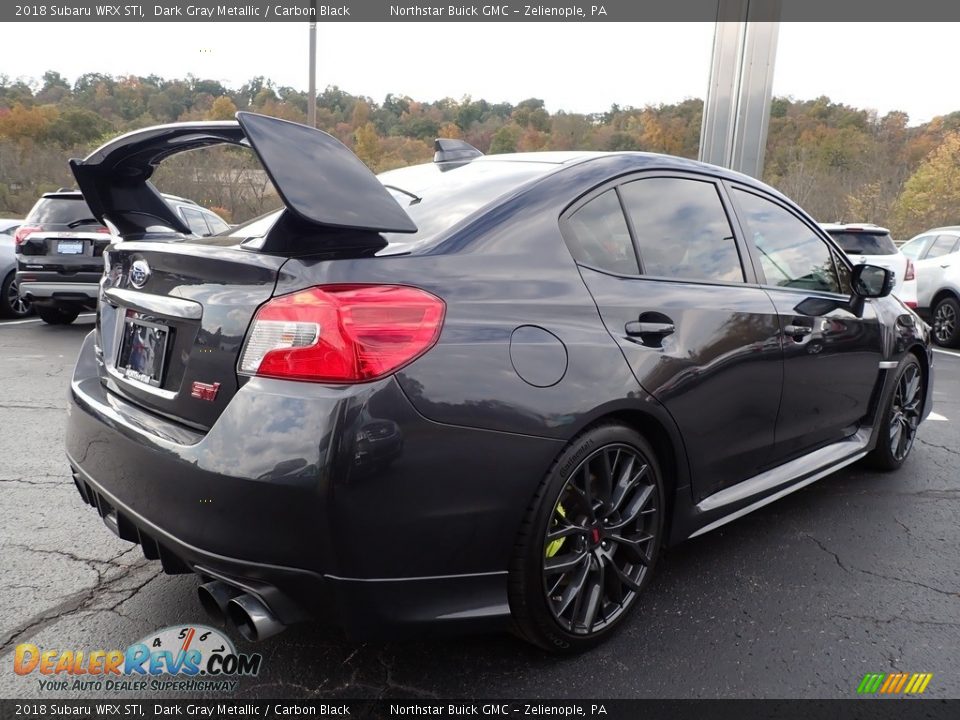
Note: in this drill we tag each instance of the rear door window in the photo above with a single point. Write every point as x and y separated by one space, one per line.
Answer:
682 229
598 236
942 245
194 218
216 224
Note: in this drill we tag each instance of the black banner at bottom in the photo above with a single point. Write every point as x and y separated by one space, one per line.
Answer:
882 709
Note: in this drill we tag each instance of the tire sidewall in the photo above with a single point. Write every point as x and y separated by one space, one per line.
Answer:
540 622
882 457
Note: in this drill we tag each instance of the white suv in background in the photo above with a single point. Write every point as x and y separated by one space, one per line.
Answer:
871 244
936 255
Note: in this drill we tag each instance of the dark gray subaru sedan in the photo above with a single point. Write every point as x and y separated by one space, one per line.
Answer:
479 393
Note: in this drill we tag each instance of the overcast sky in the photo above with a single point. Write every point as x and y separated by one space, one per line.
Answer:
578 67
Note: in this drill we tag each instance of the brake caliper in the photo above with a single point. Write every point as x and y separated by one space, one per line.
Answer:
554 547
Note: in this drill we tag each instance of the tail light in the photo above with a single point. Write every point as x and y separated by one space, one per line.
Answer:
341 333
21 234
909 274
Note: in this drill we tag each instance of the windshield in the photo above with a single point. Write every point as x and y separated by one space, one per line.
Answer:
864 243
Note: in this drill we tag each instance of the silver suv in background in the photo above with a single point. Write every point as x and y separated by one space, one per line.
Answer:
59 249
936 255
866 243
11 304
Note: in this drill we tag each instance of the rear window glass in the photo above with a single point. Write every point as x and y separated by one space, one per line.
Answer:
864 243
438 200
60 211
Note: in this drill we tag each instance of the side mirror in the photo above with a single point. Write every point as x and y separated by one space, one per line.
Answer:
870 281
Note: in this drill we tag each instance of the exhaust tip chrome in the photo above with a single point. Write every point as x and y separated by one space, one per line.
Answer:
252 618
214 597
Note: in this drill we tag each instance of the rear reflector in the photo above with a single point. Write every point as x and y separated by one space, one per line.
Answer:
341 333
910 273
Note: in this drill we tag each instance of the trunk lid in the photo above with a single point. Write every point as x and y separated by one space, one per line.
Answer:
173 313
171 344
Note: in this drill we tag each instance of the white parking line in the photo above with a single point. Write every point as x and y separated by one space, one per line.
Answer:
937 416
5 323
955 353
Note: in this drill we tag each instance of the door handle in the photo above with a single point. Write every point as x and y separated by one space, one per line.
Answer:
649 328
797 330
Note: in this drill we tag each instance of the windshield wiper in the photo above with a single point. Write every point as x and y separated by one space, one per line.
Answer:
83 221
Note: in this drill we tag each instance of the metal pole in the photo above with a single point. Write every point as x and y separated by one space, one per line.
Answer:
312 91
736 112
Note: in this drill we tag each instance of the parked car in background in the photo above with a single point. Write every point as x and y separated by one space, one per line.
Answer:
936 255
60 246
11 304
478 393
872 244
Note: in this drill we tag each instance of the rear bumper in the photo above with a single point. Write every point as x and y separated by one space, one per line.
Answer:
285 498
76 293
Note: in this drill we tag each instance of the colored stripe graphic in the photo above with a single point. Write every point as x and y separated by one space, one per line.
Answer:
894 683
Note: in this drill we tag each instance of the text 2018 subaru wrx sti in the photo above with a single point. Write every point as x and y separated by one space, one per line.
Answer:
478 393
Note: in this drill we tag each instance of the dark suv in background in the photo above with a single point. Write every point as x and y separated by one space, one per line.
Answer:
60 247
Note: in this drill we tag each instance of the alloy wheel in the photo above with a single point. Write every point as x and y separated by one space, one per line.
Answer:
944 322
905 412
600 539
18 305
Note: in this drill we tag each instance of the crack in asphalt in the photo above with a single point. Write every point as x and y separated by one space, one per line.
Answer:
949 593
31 406
84 599
895 618
24 481
952 451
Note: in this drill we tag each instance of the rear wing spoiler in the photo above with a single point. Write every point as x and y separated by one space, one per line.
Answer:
320 181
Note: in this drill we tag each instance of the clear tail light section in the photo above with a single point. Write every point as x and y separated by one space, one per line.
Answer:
910 273
341 333
23 231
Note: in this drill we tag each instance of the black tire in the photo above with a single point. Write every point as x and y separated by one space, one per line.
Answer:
609 556
946 323
11 304
900 419
57 316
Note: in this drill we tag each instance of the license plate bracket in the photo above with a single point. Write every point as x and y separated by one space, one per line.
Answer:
143 350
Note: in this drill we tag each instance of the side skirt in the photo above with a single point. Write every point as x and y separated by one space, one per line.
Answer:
736 501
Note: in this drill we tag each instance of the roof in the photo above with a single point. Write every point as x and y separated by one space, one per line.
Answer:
855 227
76 195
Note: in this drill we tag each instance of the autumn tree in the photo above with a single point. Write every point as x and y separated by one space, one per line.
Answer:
931 196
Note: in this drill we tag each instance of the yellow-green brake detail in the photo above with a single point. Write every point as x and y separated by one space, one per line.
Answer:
554 547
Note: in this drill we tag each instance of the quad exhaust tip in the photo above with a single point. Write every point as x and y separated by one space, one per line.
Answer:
214 597
252 618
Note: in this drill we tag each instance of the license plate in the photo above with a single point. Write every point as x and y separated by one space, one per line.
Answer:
142 350
70 247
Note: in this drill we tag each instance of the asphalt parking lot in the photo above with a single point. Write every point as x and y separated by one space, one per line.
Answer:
857 573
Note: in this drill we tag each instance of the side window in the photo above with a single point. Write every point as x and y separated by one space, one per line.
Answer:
914 249
599 236
682 229
791 254
216 224
943 245
195 220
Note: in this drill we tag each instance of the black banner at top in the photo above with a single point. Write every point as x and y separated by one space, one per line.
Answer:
492 709
852 11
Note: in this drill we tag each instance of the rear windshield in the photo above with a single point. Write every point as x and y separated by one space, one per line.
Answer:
61 211
864 243
438 200
434 200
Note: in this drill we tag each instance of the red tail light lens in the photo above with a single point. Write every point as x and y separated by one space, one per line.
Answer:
909 274
342 333
21 234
